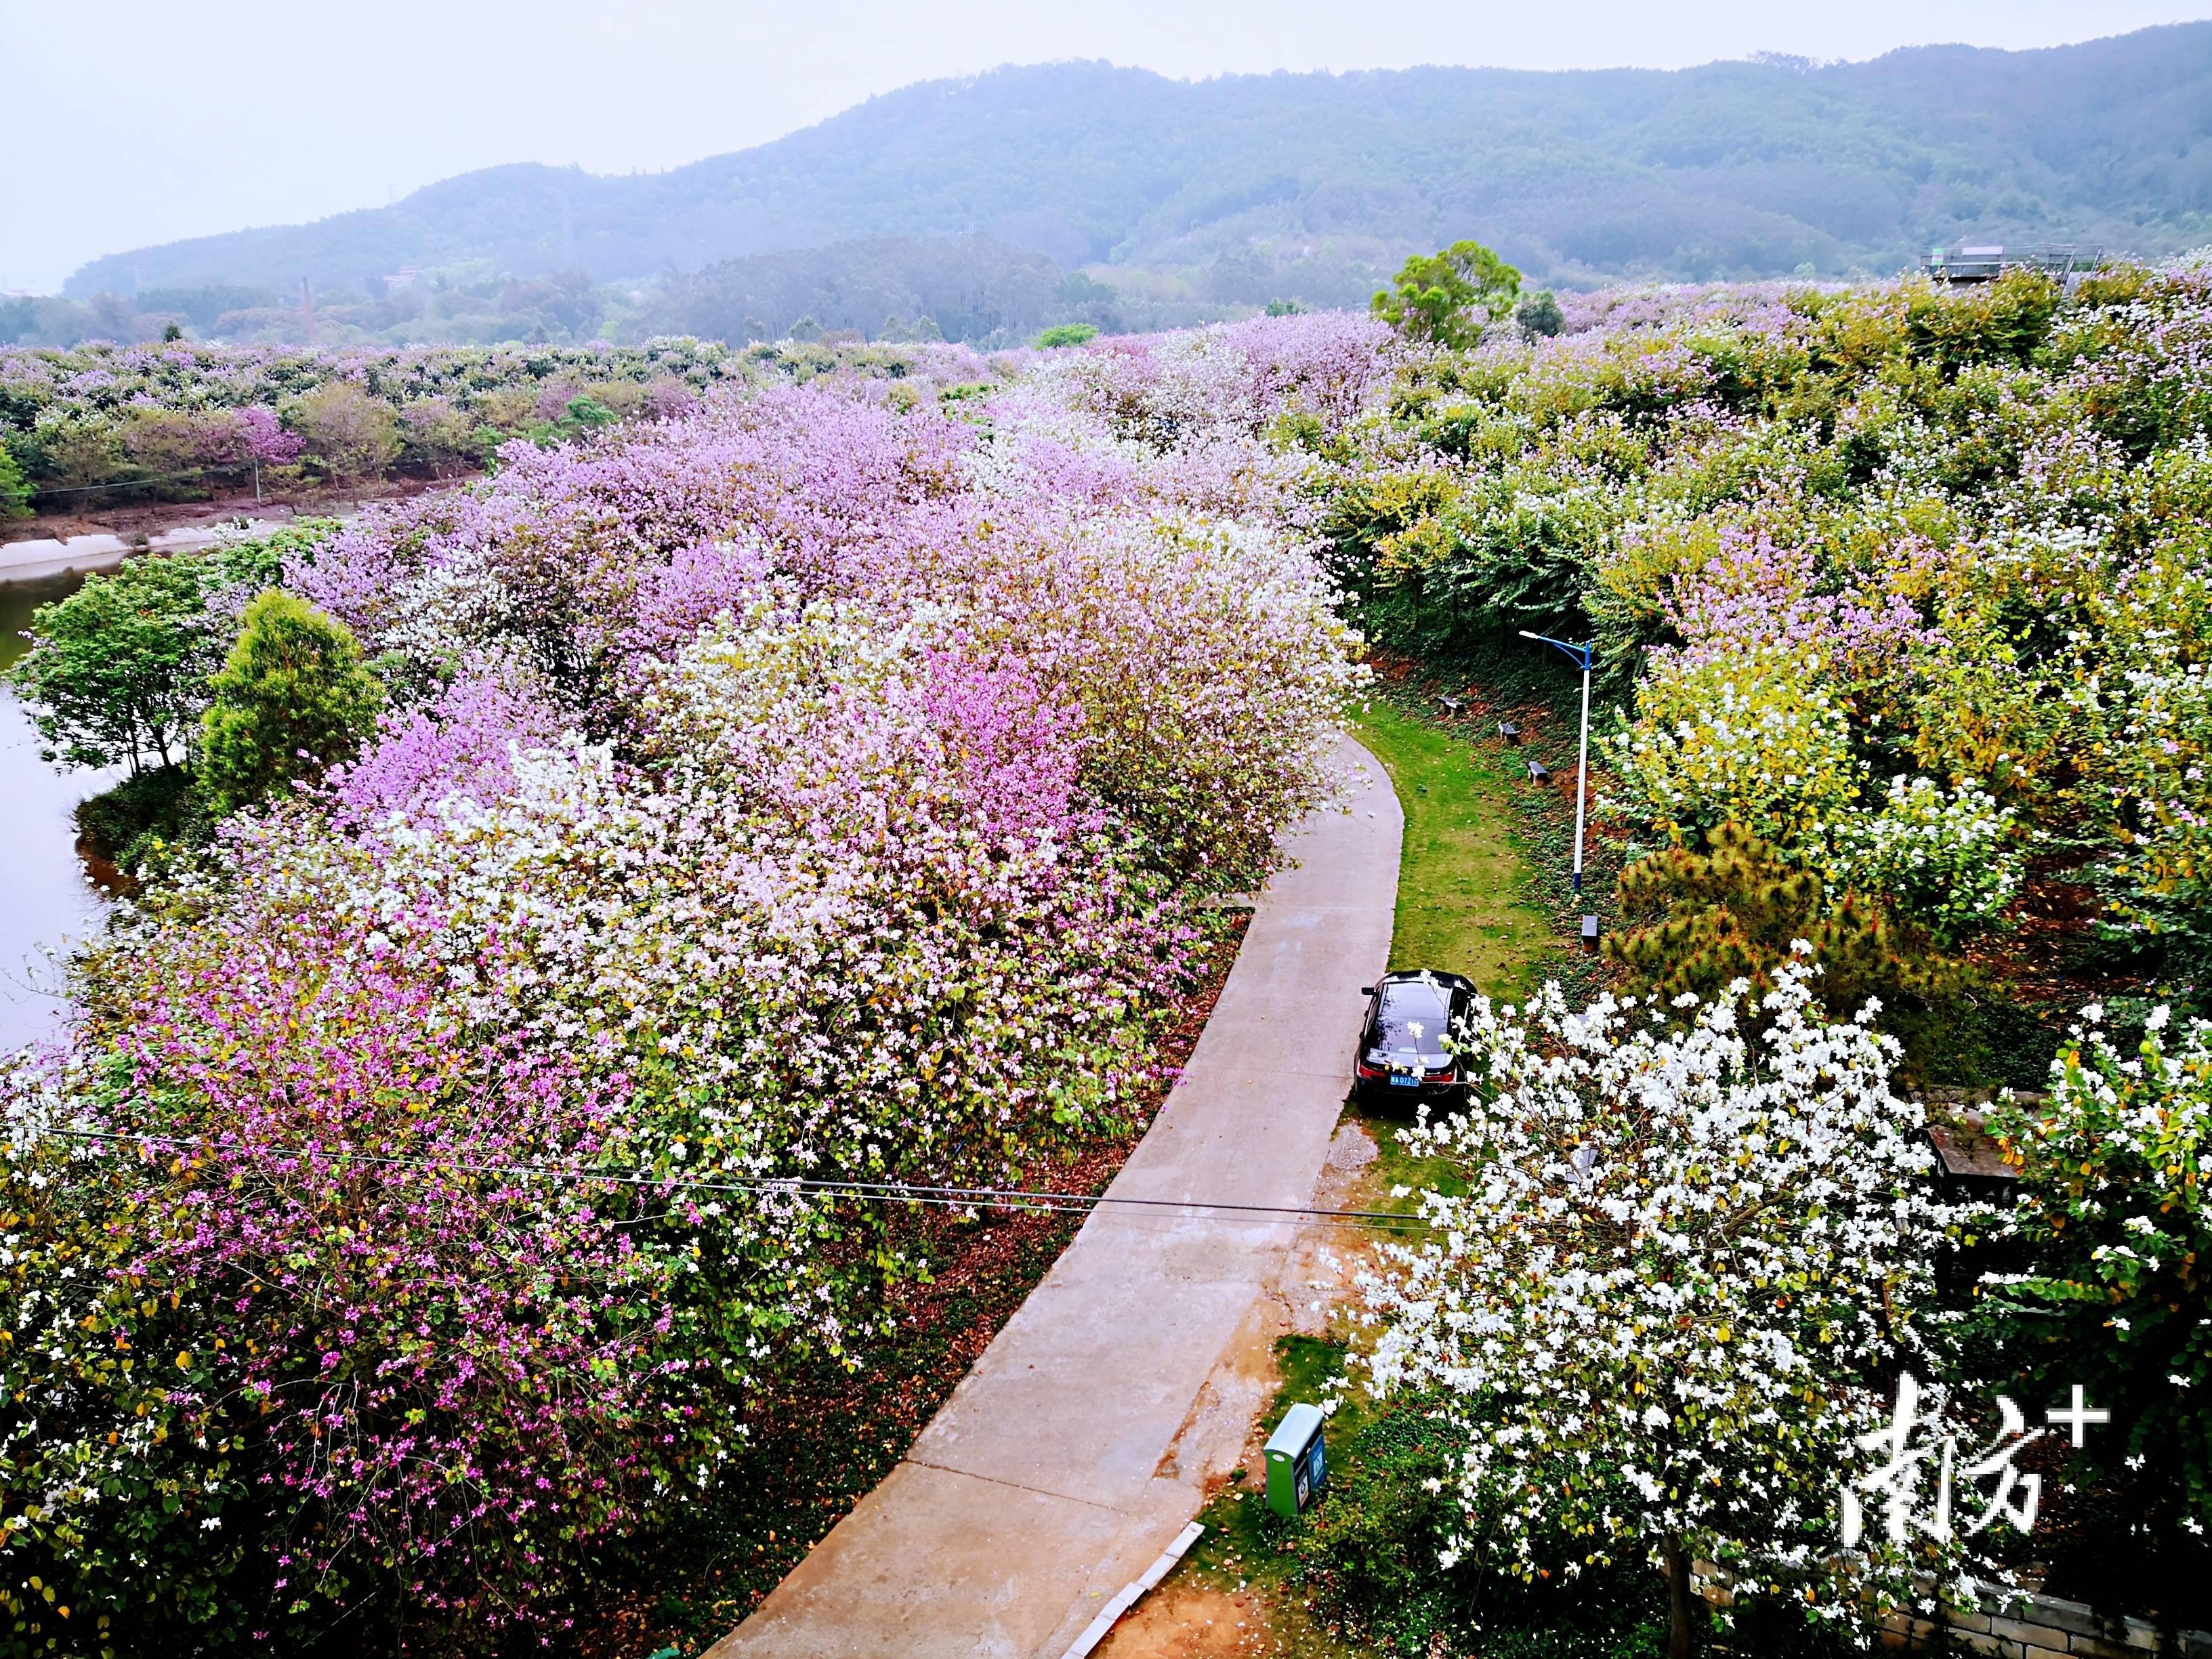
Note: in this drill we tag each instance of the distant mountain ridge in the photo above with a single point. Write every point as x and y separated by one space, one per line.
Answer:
1309 184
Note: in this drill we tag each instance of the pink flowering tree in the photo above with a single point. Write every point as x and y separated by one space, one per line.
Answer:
791 789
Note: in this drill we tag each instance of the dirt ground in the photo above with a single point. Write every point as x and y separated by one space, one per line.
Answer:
1193 1622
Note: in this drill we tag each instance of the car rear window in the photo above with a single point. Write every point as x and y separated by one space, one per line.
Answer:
1407 1004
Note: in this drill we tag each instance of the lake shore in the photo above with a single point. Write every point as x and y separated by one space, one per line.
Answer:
100 538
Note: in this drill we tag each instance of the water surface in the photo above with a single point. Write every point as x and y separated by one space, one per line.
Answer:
46 901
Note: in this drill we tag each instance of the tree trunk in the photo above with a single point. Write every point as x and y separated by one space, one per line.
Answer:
1678 1596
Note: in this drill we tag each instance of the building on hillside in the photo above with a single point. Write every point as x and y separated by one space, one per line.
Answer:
1986 264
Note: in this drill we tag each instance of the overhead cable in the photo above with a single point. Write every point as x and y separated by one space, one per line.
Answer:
993 1198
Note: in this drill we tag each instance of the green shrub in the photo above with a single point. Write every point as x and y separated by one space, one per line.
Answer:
1755 737
1946 860
292 699
439 436
2005 321
259 564
1520 558
588 414
1986 1039
125 1525
2114 1222
1371 1545
131 822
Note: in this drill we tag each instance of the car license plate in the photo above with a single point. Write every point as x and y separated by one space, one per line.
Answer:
1404 1080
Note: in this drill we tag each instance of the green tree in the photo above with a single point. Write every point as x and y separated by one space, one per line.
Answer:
1733 911
14 488
118 668
349 435
1066 334
1447 297
1540 313
293 699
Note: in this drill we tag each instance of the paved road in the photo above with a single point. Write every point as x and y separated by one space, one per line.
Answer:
1080 1445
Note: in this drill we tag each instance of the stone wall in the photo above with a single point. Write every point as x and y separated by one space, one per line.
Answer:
2009 1624
2025 1627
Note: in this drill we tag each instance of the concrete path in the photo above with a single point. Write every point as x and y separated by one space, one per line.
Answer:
1080 1444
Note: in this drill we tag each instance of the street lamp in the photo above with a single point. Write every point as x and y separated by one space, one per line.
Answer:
1581 654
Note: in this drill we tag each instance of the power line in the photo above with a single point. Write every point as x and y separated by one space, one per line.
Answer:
1016 1199
133 484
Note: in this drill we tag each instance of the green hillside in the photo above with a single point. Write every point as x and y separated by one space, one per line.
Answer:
1255 187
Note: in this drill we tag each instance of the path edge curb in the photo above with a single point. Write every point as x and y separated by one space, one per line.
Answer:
1110 1614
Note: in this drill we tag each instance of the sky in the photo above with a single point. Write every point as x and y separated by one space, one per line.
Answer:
133 122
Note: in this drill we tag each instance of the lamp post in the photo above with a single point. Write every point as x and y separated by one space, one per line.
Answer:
1581 654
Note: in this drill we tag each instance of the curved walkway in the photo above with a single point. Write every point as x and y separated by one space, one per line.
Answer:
1080 1444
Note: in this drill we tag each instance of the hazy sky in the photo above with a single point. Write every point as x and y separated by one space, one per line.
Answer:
139 121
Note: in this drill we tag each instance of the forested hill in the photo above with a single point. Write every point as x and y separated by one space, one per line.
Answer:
1307 183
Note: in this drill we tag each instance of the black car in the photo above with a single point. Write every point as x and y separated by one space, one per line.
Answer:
1402 1055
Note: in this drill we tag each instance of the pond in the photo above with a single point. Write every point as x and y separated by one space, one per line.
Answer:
50 900
47 900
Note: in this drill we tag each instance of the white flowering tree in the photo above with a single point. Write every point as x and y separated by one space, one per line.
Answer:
1950 860
1687 1264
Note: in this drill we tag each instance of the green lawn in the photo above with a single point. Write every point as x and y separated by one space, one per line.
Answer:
1461 890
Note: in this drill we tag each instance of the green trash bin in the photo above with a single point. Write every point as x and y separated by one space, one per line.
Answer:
1296 1466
